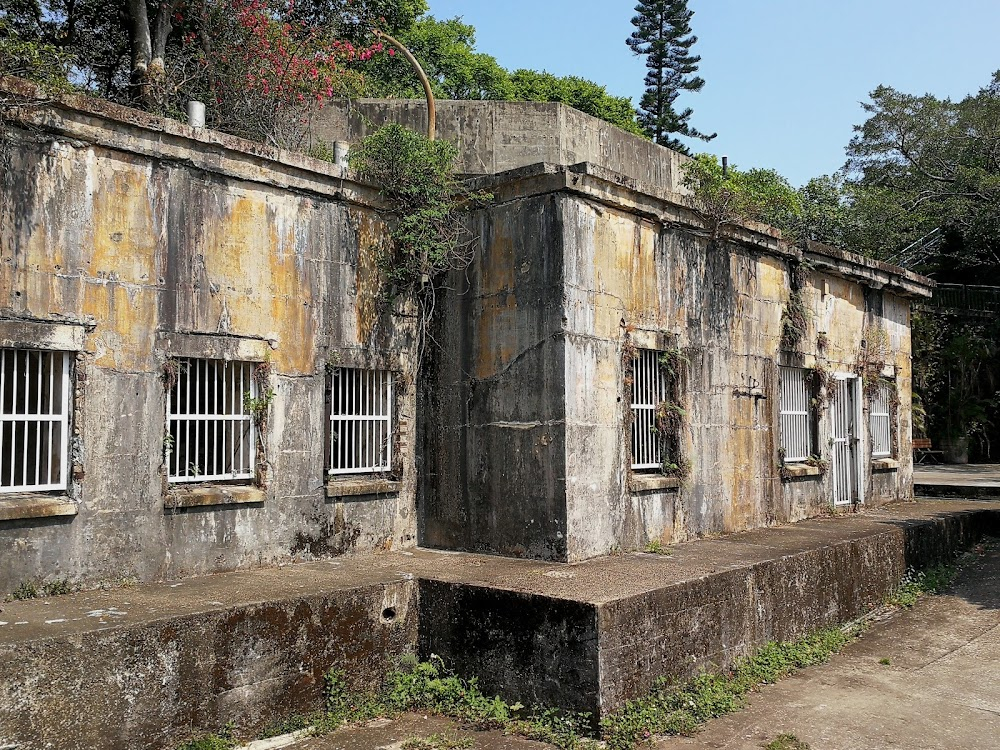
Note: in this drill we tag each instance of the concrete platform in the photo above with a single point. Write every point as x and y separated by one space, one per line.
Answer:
922 678
957 480
150 665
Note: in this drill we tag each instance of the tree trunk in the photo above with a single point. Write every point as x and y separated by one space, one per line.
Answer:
149 46
141 46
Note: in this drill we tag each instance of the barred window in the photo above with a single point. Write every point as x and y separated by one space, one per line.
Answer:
880 417
795 414
360 421
210 431
34 420
650 388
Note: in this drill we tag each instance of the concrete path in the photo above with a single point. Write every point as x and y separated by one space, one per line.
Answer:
941 688
969 480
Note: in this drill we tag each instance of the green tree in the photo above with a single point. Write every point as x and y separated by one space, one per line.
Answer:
663 35
584 95
938 162
736 196
446 50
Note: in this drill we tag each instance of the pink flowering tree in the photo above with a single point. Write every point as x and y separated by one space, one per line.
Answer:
262 71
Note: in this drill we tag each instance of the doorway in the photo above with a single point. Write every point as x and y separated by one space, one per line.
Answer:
845 440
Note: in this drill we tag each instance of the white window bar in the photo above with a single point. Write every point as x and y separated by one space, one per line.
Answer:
649 389
211 433
793 406
360 421
881 421
34 420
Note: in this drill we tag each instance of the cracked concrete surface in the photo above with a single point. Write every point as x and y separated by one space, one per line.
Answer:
939 689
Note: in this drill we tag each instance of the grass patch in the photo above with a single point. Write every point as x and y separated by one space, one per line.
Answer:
41 589
786 742
916 584
656 547
428 687
438 742
670 708
224 740
681 708
884 661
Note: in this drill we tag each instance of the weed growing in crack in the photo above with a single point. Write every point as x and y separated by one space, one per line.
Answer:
438 742
786 742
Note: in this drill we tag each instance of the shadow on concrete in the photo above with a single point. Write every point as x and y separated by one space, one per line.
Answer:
36 523
979 581
941 537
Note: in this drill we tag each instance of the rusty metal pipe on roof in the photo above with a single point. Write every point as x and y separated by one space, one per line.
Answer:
431 114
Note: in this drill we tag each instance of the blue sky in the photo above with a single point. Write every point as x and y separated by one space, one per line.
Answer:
784 78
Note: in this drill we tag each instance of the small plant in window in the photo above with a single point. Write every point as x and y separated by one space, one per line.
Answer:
820 463
259 408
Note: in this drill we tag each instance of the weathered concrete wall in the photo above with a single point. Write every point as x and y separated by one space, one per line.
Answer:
493 455
628 265
149 240
495 136
190 665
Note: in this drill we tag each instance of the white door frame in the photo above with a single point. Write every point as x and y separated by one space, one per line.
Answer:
846 449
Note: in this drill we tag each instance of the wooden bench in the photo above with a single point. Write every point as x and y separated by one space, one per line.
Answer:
922 451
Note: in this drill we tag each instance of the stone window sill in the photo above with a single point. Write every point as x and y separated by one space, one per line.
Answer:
652 482
885 464
220 494
802 470
361 486
17 507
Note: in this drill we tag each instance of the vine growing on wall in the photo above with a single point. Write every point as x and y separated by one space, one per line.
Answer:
873 356
795 315
670 416
427 203
259 409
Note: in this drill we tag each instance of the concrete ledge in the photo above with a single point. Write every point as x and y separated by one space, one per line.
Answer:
802 470
57 335
154 665
221 494
355 487
650 482
214 346
151 665
885 464
17 507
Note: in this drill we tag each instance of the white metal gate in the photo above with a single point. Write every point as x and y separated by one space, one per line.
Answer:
844 441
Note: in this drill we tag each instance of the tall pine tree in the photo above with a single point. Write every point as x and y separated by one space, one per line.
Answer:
663 35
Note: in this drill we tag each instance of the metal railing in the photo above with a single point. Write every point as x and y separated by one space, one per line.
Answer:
34 420
210 432
794 411
360 421
649 389
967 297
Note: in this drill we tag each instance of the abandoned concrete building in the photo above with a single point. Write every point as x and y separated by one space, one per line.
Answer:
196 377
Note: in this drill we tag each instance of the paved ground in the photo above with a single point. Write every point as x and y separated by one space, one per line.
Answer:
979 479
940 689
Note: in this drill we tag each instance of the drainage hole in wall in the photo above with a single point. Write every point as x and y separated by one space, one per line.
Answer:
389 614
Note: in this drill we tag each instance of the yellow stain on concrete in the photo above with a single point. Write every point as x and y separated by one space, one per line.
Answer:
372 238
626 276
124 236
496 333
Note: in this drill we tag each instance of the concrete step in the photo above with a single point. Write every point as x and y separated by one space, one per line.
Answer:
150 665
